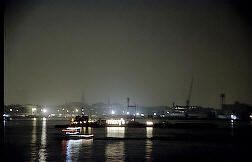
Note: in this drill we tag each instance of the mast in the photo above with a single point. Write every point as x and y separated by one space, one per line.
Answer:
189 94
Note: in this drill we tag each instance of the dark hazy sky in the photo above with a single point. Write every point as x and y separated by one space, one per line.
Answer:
147 50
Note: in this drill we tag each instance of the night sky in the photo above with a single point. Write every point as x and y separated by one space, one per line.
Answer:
147 50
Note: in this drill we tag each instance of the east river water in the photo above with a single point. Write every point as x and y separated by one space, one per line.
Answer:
39 140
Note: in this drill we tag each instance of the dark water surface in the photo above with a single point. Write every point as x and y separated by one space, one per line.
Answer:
39 140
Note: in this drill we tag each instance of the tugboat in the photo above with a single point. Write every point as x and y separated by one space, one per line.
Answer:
75 133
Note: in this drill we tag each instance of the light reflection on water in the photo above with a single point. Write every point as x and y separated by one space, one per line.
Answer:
149 132
72 148
42 150
39 140
148 143
115 151
86 130
34 140
148 150
117 132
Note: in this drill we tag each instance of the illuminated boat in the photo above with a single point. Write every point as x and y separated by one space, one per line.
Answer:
75 133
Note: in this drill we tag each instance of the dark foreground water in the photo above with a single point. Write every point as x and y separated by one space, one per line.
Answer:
39 140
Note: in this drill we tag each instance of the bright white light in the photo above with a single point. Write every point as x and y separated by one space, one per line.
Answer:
137 114
44 110
67 110
149 123
76 110
122 121
142 114
233 117
10 109
154 114
34 109
149 132
112 112
167 112
127 113
44 118
250 116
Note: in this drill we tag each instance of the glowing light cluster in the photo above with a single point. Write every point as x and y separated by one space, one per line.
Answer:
6 115
84 122
149 123
91 121
233 117
115 121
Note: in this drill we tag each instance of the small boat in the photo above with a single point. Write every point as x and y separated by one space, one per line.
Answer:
75 133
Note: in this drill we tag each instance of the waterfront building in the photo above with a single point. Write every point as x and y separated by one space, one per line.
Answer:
238 110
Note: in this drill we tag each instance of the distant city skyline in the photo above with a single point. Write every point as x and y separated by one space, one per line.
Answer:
57 50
